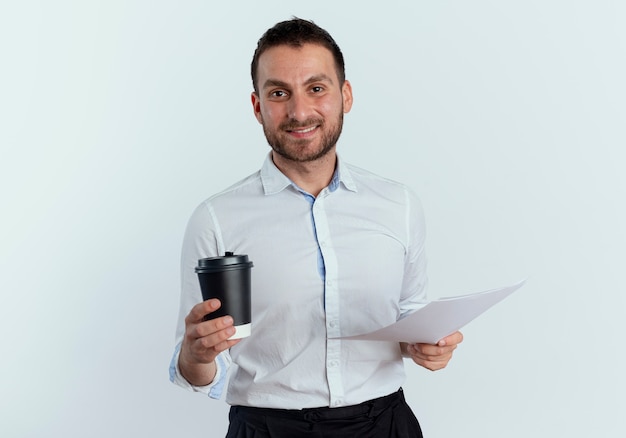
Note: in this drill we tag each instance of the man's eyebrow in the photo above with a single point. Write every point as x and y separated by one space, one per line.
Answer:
319 78
315 78
274 83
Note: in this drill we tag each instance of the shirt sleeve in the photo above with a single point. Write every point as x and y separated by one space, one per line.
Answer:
415 280
215 388
201 240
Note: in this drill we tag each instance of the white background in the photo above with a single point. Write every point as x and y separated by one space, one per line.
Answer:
507 118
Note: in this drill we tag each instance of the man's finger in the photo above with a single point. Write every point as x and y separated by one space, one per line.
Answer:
198 311
453 339
214 325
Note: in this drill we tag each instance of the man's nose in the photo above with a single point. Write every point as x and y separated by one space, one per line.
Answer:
298 108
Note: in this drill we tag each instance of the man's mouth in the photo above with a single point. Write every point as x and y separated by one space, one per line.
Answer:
303 130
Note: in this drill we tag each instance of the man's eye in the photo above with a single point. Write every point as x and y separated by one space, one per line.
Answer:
278 93
317 89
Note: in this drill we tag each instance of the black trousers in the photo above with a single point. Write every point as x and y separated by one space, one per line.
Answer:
384 417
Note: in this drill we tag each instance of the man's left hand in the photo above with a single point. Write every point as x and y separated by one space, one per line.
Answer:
433 357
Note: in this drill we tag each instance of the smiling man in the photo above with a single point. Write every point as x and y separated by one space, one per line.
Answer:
337 250
302 112
300 101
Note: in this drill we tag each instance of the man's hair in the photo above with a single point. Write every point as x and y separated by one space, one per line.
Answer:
295 33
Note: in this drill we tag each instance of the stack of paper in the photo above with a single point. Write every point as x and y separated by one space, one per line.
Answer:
439 318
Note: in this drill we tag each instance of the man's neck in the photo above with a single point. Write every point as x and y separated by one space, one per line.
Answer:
311 176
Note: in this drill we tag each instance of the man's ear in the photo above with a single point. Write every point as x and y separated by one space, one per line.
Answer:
256 106
346 91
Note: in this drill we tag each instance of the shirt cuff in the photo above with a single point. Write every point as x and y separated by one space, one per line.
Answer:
213 389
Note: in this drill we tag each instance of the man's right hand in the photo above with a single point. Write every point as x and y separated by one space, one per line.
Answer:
203 341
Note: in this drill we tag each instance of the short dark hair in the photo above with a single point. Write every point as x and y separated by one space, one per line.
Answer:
297 32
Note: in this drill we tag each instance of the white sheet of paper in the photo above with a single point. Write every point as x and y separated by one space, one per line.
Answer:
439 318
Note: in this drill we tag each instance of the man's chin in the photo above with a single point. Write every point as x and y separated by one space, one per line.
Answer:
302 156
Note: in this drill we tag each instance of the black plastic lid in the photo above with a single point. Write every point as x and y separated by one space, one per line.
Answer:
224 263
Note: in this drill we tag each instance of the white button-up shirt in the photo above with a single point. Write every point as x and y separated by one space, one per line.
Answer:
346 262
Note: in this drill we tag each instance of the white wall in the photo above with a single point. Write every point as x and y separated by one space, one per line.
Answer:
118 117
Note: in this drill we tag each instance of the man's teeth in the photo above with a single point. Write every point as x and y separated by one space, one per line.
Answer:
304 131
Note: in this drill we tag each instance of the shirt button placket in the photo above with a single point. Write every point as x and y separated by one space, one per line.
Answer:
331 303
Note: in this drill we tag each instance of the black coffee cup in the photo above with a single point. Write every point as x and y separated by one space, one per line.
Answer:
228 279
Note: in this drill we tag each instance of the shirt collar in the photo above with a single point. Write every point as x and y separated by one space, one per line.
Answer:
274 180
343 175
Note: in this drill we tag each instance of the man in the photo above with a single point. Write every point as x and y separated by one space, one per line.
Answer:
337 251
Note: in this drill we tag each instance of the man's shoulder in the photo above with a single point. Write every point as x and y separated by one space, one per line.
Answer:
250 185
373 187
368 178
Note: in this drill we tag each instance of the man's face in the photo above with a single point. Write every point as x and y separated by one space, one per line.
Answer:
300 102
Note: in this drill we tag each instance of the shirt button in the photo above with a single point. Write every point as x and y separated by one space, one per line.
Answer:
338 402
333 363
333 324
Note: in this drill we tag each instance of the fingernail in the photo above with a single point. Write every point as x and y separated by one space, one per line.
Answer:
228 320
